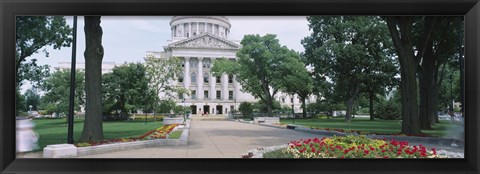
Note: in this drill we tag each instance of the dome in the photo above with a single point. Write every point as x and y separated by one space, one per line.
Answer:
189 26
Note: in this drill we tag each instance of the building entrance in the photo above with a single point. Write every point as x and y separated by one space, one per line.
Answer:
194 109
219 109
206 108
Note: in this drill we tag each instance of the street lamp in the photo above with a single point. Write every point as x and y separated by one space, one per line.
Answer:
72 84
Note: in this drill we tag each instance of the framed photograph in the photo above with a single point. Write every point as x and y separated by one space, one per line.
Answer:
204 52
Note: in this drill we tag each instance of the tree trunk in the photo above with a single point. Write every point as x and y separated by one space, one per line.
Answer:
348 115
304 106
400 28
425 123
92 128
269 107
371 97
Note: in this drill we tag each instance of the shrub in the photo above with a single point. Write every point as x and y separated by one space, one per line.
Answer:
149 118
246 109
320 116
388 111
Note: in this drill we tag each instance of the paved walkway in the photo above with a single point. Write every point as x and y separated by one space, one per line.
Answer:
216 139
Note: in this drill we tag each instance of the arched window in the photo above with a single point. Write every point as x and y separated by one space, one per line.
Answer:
206 78
194 78
218 79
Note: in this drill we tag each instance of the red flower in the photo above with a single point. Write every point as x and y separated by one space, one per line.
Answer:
346 151
434 151
385 156
383 151
366 152
372 149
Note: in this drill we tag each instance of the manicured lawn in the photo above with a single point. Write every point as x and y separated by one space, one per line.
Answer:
175 134
54 131
364 124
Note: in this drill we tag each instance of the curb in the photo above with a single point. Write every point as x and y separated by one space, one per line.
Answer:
108 148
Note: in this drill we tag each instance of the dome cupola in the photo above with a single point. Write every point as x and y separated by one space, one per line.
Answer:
189 26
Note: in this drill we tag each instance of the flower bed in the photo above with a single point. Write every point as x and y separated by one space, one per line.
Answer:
357 147
160 132
369 133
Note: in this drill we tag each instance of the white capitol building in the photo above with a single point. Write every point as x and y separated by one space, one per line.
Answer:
198 40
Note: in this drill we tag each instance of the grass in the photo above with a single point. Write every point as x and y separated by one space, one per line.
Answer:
175 134
364 124
277 154
54 131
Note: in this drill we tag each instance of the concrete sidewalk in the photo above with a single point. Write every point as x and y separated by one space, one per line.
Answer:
216 139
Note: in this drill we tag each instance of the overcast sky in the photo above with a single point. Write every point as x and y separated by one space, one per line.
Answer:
127 39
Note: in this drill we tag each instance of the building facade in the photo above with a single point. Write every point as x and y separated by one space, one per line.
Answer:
198 41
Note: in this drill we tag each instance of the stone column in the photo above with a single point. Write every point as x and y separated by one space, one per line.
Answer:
213 29
198 31
212 91
236 89
200 78
190 29
186 75
224 87
206 27
220 28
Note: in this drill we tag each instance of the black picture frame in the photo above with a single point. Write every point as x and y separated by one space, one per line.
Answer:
10 8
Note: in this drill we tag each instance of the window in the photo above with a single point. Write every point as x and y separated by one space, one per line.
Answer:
193 63
194 94
206 78
205 94
230 95
180 96
206 63
194 78
219 94
230 78
291 100
218 79
283 100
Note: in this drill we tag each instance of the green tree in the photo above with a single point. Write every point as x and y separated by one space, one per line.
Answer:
410 51
257 67
57 91
32 34
350 56
166 106
295 78
160 73
20 103
126 89
246 109
33 99
441 49
93 127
